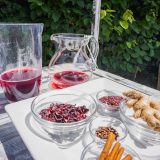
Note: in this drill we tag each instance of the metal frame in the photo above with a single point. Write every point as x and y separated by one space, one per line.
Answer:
96 18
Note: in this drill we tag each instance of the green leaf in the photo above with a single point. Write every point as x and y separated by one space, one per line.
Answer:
80 3
33 15
110 10
103 14
129 44
55 17
126 56
85 21
130 68
46 37
104 60
147 58
124 24
151 53
118 29
128 16
150 46
106 33
137 50
135 28
123 67
139 60
157 43
45 8
114 64
142 53
145 47
39 3
148 18
134 55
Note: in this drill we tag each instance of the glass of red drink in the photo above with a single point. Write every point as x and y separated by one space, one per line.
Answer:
20 60
74 59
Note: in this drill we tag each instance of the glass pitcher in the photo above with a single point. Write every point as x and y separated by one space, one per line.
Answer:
74 59
20 60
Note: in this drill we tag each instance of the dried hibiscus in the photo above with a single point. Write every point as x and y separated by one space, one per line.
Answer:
64 113
111 100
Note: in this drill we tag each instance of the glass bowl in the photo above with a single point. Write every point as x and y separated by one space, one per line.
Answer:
93 150
104 107
63 134
107 122
137 128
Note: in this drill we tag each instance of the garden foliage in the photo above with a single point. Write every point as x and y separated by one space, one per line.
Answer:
129 31
130 34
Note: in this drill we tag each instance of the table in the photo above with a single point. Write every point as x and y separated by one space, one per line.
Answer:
12 146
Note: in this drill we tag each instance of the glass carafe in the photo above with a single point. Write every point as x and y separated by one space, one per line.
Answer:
20 60
74 59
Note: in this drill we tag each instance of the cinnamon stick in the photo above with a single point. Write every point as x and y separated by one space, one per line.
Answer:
114 151
107 146
119 155
127 157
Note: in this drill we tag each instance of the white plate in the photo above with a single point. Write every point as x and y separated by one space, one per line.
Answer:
39 143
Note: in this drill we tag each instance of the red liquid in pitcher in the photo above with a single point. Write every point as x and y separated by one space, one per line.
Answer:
68 78
19 84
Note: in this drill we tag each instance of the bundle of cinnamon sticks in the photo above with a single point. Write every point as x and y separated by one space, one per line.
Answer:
116 151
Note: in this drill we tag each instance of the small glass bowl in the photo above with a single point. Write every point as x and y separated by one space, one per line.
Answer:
107 122
104 107
93 151
63 134
137 128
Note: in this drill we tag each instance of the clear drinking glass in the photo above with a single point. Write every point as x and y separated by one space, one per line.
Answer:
20 60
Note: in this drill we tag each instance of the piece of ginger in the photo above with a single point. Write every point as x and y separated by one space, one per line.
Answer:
130 103
155 105
144 108
133 94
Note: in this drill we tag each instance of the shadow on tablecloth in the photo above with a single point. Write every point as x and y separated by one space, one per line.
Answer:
13 145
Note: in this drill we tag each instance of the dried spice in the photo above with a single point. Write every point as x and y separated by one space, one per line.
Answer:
64 113
103 132
111 100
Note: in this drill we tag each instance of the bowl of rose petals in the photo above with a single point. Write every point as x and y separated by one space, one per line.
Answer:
64 116
109 100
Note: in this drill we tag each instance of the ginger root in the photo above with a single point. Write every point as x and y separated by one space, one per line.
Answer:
133 94
155 105
144 108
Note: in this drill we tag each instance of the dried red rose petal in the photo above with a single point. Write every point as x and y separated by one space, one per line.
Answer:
111 100
64 113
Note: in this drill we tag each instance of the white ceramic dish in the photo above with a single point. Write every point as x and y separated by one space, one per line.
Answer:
39 143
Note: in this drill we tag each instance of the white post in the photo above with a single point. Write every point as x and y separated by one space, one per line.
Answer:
96 18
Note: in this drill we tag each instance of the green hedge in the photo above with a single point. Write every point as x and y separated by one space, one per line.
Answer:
129 31
130 34
58 16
